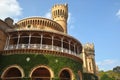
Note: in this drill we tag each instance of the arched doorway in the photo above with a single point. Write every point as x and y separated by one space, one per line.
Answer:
65 75
41 73
12 73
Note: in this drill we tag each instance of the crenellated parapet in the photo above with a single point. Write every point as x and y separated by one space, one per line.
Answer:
38 23
60 10
89 48
60 5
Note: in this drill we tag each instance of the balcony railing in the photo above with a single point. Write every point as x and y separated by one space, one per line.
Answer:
41 47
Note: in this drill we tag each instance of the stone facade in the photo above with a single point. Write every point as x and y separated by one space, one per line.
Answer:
39 48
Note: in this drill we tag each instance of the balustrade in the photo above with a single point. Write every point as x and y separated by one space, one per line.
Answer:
42 42
37 46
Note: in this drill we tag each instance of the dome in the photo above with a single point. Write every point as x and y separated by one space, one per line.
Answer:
39 23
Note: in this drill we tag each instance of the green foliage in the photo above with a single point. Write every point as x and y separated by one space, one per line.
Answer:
117 69
56 63
105 77
108 75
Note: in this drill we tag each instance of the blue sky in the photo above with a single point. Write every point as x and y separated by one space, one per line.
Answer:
93 21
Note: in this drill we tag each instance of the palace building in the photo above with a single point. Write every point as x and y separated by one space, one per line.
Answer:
37 48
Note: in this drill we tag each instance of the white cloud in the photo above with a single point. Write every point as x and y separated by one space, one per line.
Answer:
107 64
48 15
9 8
69 18
70 21
118 13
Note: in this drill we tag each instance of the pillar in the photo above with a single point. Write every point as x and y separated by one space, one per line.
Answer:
5 48
52 42
69 48
8 42
62 44
41 41
18 41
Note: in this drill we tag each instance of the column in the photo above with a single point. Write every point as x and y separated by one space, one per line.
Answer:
29 41
5 48
52 42
69 48
77 50
62 44
18 41
74 50
8 42
41 41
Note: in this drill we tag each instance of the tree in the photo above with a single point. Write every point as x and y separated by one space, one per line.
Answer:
105 77
116 69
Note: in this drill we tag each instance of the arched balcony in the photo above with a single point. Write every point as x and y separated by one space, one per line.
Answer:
43 41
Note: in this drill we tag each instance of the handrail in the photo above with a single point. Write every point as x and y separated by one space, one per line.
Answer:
42 47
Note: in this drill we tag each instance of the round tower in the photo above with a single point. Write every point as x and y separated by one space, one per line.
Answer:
60 15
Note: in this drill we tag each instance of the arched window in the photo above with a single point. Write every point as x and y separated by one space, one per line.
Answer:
12 74
41 73
65 75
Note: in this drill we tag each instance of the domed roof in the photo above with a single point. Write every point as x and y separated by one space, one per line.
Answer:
33 23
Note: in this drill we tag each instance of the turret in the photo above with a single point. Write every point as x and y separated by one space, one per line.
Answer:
90 59
89 49
9 21
60 15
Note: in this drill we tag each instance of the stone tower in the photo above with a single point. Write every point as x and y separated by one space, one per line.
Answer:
89 59
60 15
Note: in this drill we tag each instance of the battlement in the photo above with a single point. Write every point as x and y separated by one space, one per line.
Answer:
89 47
60 11
60 5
